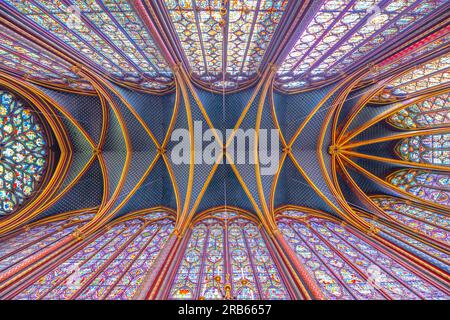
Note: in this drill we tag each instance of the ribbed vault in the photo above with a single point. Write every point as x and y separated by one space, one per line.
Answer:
115 117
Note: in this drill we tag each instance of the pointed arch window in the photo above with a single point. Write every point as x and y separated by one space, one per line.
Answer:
23 152
22 245
108 34
343 33
429 113
417 247
433 43
413 241
431 224
347 265
110 265
432 149
224 41
424 184
426 76
227 257
20 56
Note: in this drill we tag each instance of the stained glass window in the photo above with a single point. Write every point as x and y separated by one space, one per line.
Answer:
429 113
20 56
427 185
201 26
227 252
433 149
426 222
425 76
21 245
433 255
342 33
108 34
430 44
23 150
112 265
346 265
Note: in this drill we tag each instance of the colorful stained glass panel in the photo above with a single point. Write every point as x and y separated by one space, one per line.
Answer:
227 252
427 185
341 34
346 265
432 149
429 113
23 150
109 35
225 41
112 265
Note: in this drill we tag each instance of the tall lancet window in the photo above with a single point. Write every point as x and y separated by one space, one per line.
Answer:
427 185
412 244
423 77
426 222
432 149
224 42
227 257
21 56
346 264
21 245
407 56
337 36
108 35
429 113
109 265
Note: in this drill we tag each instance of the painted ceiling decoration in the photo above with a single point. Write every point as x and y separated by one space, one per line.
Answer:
120 173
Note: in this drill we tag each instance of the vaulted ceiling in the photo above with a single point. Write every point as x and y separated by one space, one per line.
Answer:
113 79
